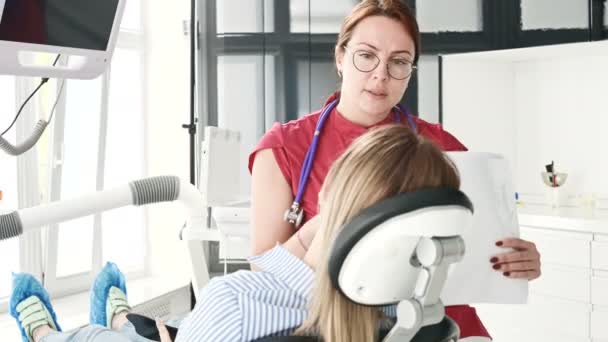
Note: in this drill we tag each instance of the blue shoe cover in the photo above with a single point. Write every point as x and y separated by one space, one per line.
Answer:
109 276
25 286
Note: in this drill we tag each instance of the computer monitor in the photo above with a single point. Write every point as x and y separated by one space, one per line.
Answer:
84 30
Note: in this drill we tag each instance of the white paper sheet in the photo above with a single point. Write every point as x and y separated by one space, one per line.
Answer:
486 179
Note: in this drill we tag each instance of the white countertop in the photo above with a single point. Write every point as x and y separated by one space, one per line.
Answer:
564 218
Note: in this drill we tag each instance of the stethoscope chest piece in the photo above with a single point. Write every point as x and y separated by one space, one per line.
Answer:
294 215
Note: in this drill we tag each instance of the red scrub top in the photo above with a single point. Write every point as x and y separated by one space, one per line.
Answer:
290 141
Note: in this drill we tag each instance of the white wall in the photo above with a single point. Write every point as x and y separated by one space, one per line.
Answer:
478 105
562 116
167 106
535 107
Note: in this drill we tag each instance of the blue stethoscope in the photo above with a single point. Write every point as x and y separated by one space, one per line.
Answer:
295 214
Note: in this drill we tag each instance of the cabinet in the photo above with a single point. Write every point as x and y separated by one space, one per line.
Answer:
569 302
533 106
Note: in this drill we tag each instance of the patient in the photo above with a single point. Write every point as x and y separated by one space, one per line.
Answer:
293 296
290 296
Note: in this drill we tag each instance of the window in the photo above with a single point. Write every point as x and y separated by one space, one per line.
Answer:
605 14
237 75
554 14
252 16
100 133
318 16
79 170
124 229
445 16
318 73
9 249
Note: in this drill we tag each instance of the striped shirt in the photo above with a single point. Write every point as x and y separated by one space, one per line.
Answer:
245 305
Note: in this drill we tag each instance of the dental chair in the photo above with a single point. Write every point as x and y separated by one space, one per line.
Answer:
399 252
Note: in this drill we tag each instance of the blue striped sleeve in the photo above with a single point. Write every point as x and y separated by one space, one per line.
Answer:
216 316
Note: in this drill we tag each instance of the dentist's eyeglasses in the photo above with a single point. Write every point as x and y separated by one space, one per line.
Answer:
399 68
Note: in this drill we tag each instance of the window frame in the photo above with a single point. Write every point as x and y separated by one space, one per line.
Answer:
128 39
27 185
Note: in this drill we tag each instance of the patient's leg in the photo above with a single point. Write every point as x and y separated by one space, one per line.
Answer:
119 320
109 304
41 332
90 333
31 307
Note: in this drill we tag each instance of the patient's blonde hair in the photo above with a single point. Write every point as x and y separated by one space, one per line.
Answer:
381 163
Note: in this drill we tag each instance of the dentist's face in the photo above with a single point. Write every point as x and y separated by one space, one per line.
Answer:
381 40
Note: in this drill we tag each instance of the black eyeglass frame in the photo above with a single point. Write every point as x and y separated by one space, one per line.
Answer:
354 52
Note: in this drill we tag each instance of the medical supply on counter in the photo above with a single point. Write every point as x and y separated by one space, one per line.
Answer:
553 180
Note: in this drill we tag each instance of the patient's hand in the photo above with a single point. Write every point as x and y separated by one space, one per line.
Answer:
523 262
162 331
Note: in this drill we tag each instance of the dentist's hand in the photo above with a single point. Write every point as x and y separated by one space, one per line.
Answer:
523 262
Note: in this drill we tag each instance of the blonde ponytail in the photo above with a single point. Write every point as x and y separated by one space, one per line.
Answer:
381 163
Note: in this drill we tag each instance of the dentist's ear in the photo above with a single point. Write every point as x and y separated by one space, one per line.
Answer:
339 59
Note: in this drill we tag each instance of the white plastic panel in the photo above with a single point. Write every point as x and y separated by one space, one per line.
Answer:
599 255
237 16
599 317
220 166
552 244
324 16
428 88
542 319
563 282
445 15
599 288
554 14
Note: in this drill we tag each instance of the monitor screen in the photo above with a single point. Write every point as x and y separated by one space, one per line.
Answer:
81 24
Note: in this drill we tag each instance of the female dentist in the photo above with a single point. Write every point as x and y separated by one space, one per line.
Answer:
377 49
